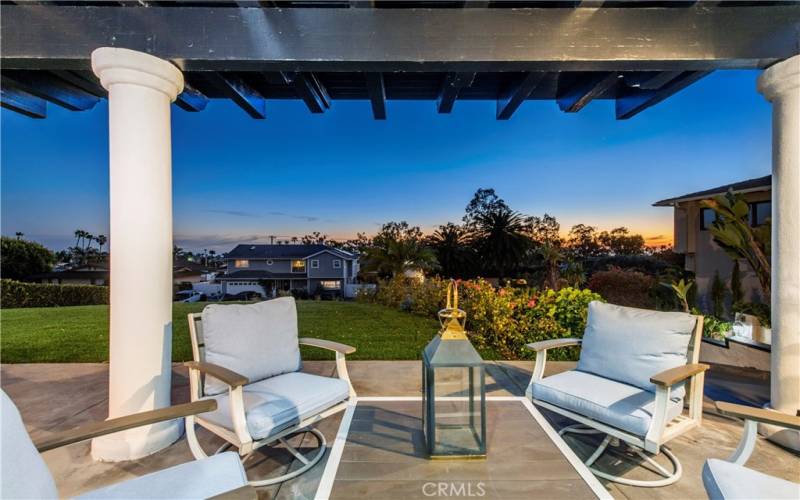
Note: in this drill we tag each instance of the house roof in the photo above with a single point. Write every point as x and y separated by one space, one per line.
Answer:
260 274
71 275
750 185
282 251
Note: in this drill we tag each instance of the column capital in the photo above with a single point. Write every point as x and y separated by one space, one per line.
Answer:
116 65
780 78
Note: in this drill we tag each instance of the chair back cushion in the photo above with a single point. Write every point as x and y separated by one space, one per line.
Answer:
631 345
24 474
256 340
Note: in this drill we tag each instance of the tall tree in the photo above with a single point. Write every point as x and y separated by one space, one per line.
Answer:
19 235
582 242
620 241
451 244
544 230
101 241
483 202
501 238
398 248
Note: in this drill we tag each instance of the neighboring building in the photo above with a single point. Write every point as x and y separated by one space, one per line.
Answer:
312 268
193 272
692 238
89 274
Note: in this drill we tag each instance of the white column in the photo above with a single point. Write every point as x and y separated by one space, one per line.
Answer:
140 90
780 84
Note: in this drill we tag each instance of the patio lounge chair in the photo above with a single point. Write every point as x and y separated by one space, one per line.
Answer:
629 383
730 479
250 357
25 474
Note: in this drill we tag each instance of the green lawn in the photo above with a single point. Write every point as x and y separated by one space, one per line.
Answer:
80 334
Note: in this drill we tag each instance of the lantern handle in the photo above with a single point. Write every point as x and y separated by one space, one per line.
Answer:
452 300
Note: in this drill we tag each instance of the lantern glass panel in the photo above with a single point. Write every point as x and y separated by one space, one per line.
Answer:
457 412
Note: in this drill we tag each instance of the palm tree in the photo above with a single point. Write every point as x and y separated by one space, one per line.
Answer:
501 239
101 240
19 235
552 257
394 256
451 244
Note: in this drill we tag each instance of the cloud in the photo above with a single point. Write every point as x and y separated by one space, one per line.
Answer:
308 218
241 213
657 237
235 213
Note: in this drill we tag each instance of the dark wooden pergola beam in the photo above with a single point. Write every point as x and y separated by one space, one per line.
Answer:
516 93
377 94
22 102
90 85
634 101
309 89
191 99
582 93
453 83
697 38
651 80
241 93
50 88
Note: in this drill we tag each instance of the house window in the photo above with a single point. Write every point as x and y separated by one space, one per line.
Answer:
241 263
298 266
337 264
269 262
709 216
314 264
760 212
331 285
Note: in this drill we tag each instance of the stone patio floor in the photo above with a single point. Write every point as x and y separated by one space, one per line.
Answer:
55 397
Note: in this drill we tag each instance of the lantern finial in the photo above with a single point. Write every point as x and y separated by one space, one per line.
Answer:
451 317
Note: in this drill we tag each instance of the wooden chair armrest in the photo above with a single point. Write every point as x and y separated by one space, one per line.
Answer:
759 415
544 345
113 425
245 492
328 344
227 376
670 377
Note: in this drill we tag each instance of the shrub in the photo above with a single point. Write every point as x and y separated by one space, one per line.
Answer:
718 291
498 320
625 287
20 258
17 294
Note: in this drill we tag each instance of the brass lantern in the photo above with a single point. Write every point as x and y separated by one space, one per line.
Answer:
453 388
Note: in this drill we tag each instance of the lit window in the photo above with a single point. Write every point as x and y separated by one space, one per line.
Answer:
298 266
331 285
314 264
269 262
709 216
241 263
337 264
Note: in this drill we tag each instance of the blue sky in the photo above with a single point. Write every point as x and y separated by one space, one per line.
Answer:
238 179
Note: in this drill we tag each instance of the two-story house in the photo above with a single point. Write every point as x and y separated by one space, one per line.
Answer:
267 269
692 237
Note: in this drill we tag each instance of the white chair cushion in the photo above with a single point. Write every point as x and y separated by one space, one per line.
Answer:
613 403
279 402
256 340
198 479
631 345
23 473
728 481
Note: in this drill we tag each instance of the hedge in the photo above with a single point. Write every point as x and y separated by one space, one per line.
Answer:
18 294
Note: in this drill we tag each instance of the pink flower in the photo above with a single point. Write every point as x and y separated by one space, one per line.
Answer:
532 303
502 292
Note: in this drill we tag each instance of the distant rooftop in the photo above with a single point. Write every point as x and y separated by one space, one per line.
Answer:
758 184
283 251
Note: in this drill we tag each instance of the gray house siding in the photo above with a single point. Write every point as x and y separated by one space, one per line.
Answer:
278 265
326 269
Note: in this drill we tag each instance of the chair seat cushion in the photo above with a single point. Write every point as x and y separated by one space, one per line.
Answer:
613 403
198 479
279 402
726 480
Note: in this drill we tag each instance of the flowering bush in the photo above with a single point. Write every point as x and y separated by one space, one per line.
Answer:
498 320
